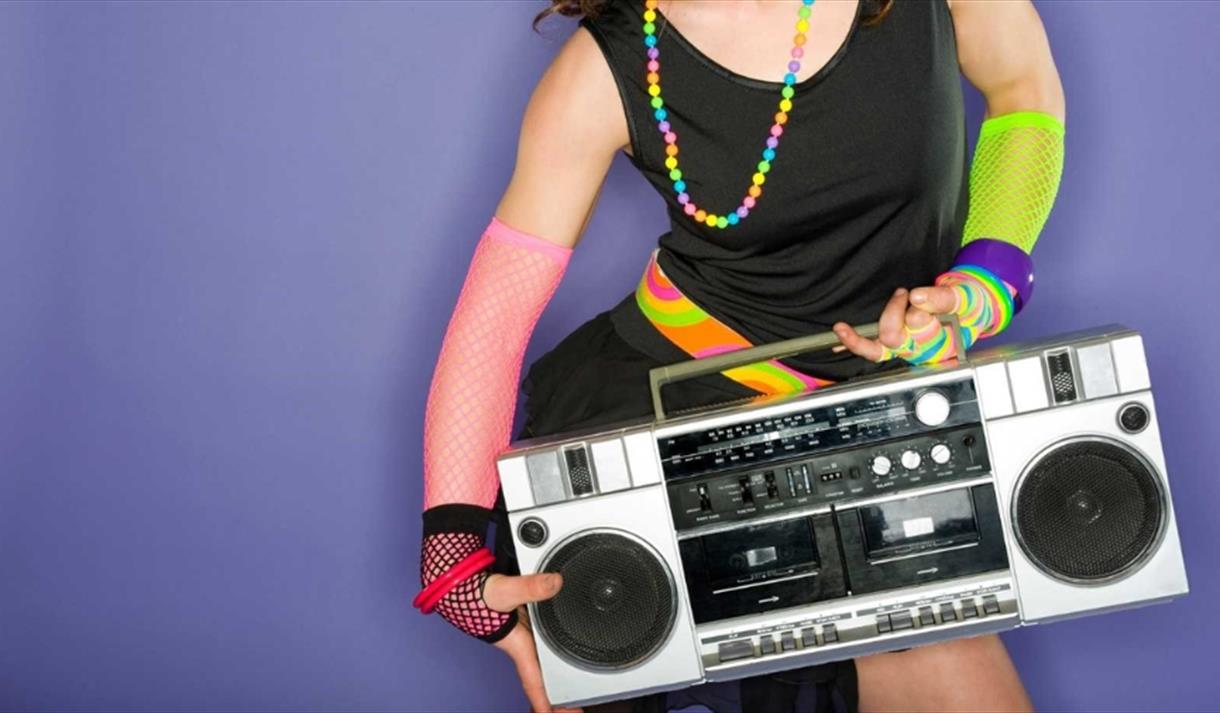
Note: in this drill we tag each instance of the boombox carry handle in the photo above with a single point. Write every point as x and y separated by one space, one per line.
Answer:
673 373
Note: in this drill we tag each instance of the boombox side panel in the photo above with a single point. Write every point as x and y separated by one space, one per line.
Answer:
1017 442
643 513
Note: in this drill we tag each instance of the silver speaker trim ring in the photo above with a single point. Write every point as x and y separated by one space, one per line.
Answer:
1136 564
669 625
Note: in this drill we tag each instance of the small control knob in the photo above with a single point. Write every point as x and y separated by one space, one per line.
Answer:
911 460
941 454
882 465
932 408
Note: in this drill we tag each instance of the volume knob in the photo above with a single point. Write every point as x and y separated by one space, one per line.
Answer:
941 453
932 408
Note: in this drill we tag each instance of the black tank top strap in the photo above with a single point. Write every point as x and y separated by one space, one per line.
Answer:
617 30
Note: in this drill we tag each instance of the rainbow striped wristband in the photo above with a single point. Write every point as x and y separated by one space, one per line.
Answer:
984 307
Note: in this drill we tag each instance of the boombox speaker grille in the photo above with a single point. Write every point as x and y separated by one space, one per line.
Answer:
1088 511
617 603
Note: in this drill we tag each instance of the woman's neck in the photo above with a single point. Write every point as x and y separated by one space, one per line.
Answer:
753 38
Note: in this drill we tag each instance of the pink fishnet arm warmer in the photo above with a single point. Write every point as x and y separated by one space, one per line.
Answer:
471 403
473 396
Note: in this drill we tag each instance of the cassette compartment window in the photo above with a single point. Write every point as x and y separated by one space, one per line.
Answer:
760 553
919 525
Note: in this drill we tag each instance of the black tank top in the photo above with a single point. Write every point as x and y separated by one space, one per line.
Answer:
866 194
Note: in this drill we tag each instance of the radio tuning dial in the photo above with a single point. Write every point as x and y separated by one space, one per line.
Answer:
882 465
941 453
932 408
911 460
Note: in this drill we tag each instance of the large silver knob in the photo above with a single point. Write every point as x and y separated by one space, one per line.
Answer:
882 465
911 460
932 408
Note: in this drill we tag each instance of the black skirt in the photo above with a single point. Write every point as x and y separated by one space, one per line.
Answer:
594 378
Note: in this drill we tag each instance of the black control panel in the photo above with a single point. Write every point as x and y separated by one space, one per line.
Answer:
795 509
831 476
820 429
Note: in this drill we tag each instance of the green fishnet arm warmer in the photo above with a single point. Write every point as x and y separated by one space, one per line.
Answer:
1014 177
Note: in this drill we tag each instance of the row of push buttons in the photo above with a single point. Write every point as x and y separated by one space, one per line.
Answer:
744 648
902 620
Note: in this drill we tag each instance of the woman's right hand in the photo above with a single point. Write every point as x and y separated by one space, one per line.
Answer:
505 593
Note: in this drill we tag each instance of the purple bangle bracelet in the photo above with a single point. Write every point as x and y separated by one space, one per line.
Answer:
1009 262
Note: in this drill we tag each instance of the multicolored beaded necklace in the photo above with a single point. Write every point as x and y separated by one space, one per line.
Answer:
671 137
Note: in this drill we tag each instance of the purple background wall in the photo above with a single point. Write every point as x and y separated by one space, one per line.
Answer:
231 236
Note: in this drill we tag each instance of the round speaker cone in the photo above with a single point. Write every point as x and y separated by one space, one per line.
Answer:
1088 511
616 606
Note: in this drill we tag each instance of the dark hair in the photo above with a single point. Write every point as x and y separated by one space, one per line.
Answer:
873 14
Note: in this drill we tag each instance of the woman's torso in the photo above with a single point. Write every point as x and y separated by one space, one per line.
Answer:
865 194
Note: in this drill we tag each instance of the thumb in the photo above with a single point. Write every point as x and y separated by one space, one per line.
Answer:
936 300
504 593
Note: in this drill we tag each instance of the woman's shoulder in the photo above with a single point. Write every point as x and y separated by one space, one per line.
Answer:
578 99
578 85
569 134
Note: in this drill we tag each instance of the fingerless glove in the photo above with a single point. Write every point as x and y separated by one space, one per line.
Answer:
452 533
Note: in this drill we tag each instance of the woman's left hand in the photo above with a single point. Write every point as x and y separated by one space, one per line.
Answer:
908 321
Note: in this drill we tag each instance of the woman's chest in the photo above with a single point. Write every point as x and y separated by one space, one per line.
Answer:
882 129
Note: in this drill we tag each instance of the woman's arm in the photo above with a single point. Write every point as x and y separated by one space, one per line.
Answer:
572 127
1014 178
1003 51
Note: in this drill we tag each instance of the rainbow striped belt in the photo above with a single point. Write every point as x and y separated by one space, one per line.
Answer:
699 334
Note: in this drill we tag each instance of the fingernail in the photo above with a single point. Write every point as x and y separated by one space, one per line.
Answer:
553 582
900 291
919 297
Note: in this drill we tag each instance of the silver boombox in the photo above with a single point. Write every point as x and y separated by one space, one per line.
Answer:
1023 486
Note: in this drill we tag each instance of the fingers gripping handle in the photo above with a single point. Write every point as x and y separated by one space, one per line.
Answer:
682 371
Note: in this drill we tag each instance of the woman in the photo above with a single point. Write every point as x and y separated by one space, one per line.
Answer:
834 192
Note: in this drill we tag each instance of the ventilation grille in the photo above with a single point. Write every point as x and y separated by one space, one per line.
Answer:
1063 380
580 476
